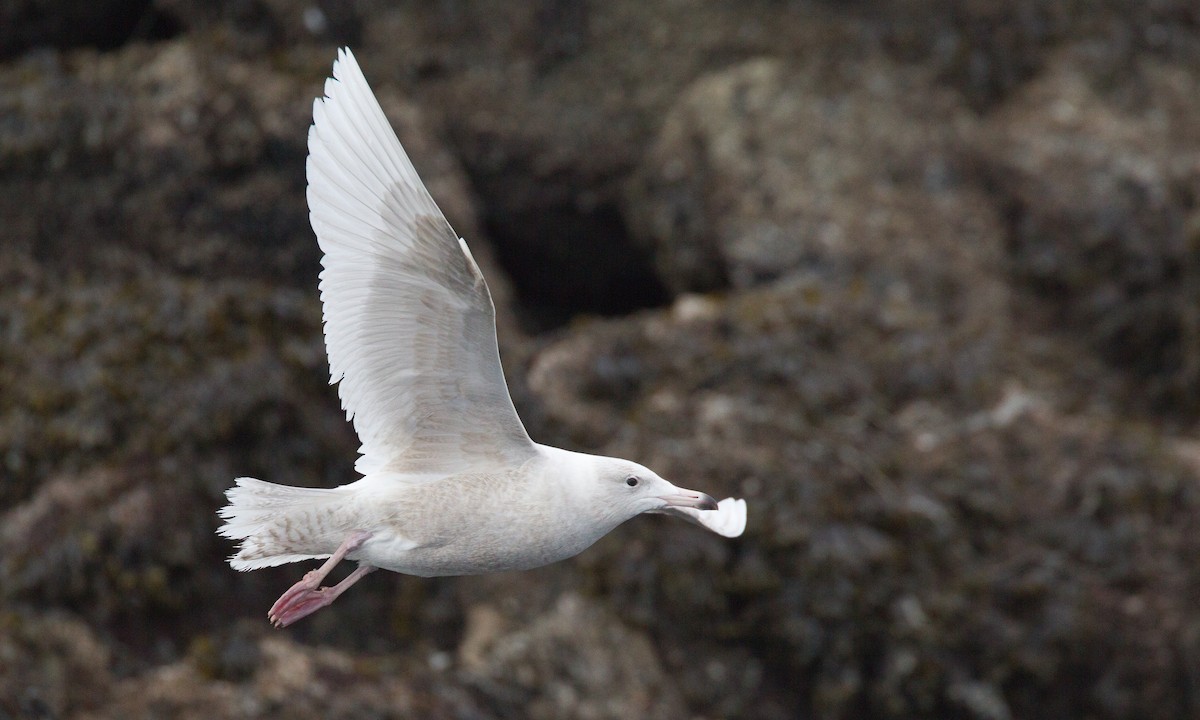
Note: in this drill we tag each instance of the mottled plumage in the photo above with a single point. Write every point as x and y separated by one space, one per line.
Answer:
452 484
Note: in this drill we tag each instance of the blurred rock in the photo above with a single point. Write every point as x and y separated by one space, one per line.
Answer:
107 24
252 28
576 661
921 537
293 681
1099 170
51 665
987 50
769 167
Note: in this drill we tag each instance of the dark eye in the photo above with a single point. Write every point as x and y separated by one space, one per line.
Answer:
631 481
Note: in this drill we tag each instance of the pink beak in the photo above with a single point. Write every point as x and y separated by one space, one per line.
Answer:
690 499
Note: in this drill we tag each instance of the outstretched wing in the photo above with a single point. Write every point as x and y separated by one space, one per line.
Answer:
409 323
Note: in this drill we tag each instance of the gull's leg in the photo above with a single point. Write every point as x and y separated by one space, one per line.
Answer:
306 597
309 601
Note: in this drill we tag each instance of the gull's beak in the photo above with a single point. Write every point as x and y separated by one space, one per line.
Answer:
689 499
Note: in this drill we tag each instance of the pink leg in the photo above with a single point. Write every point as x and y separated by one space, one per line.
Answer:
306 597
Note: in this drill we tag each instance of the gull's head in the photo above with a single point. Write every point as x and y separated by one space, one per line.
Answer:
622 489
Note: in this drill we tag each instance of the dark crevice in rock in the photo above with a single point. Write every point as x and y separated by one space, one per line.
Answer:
566 261
102 25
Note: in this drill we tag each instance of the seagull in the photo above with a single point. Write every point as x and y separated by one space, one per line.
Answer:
451 482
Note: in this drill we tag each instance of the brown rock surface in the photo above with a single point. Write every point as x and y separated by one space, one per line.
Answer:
51 665
770 167
1100 176
575 660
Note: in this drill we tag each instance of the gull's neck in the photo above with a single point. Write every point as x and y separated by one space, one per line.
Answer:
574 478
569 468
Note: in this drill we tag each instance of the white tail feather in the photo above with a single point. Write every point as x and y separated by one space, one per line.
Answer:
279 524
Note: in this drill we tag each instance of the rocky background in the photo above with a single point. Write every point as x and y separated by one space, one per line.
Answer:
920 279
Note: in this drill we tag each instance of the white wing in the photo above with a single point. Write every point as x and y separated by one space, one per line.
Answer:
409 323
729 519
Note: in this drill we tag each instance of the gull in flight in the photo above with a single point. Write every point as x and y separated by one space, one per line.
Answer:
451 483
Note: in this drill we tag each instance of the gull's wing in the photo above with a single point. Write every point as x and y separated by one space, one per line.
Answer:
729 519
409 323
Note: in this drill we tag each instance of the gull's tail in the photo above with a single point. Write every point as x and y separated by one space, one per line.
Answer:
279 524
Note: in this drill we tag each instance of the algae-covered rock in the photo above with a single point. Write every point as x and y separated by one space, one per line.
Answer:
574 661
1098 168
51 665
771 166
290 680
928 534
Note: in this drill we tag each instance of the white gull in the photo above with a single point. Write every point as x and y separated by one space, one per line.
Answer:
452 484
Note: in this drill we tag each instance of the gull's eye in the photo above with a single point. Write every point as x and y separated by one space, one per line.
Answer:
631 481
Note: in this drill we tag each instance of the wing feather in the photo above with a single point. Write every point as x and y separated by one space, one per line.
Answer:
409 323
728 520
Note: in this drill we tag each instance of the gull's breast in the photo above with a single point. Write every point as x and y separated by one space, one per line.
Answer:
476 524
